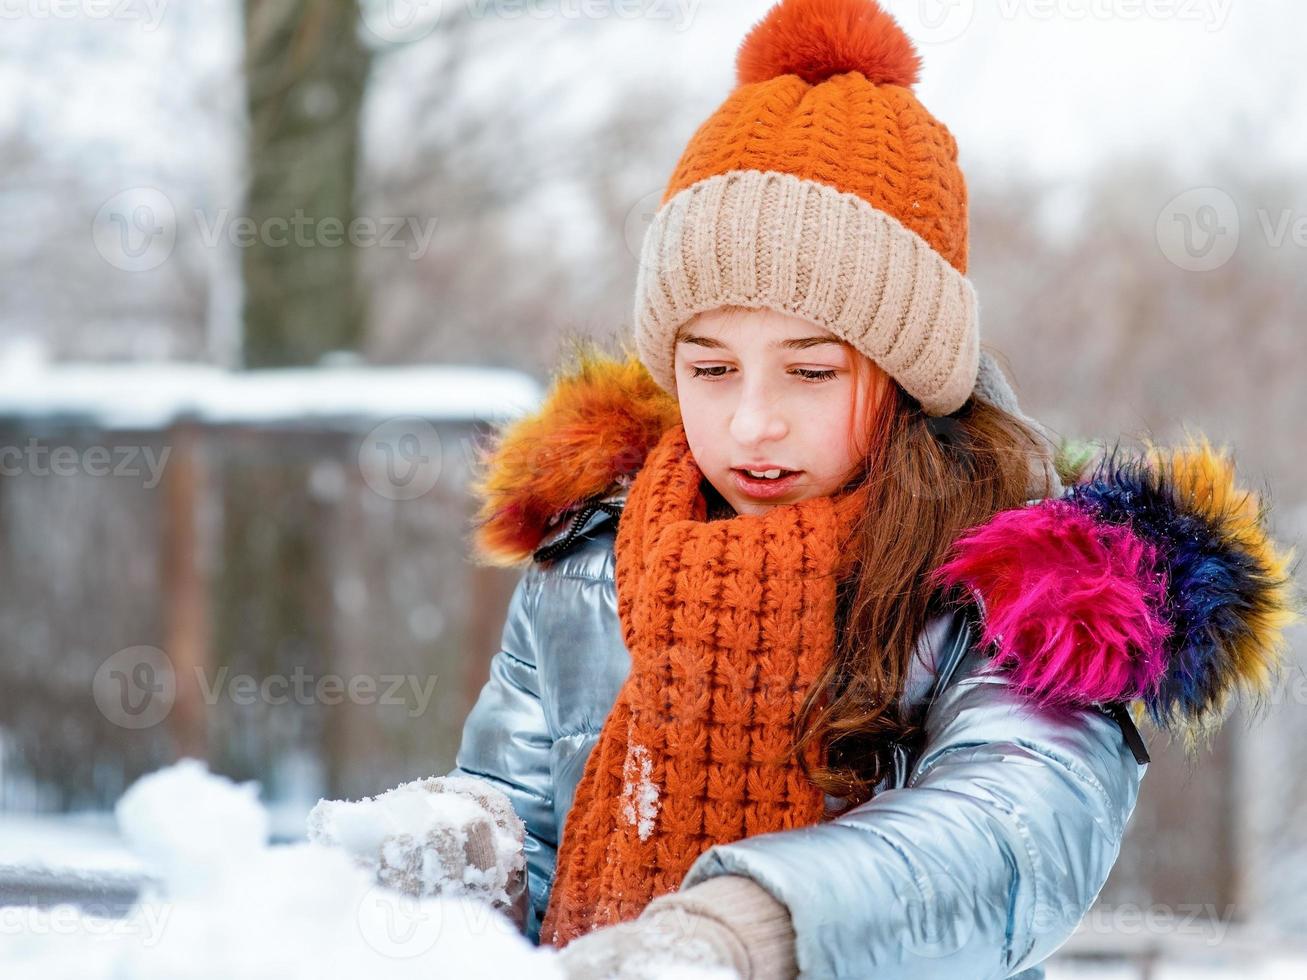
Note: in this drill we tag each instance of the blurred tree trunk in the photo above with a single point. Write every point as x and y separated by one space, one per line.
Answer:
305 69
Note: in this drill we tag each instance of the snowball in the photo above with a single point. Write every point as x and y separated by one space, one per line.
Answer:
360 826
418 837
186 822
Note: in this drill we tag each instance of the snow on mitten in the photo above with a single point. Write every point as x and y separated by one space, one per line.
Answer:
454 836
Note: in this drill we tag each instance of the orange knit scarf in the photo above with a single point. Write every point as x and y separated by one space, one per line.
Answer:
728 624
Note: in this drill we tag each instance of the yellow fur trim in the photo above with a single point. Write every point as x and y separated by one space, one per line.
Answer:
1204 482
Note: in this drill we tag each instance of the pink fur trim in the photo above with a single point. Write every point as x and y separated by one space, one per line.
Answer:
1073 605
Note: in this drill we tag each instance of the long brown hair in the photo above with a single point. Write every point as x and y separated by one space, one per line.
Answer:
930 478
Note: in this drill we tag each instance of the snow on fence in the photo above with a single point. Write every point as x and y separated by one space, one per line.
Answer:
153 397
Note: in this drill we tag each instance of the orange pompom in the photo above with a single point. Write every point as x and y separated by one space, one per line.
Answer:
816 39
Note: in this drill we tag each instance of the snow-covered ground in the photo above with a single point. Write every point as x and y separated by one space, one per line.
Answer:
224 904
87 842
219 903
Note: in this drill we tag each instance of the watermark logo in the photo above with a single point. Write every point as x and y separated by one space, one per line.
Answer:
944 910
148 12
397 925
1198 230
401 458
136 229
937 21
401 21
136 687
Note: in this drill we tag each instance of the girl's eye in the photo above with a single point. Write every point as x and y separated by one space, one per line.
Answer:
806 373
823 375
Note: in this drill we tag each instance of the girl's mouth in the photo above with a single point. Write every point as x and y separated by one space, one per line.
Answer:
761 488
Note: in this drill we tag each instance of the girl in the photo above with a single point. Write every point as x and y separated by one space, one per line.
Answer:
815 667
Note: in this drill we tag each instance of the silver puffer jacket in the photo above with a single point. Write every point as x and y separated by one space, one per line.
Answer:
977 858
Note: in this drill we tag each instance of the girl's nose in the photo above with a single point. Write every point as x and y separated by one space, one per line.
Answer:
757 417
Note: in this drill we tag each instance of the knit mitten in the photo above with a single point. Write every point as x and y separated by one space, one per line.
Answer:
444 835
727 926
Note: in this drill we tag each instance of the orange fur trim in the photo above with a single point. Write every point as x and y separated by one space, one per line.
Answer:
599 420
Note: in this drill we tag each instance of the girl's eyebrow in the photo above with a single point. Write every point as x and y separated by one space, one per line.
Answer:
793 343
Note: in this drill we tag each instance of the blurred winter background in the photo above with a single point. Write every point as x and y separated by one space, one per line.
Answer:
268 270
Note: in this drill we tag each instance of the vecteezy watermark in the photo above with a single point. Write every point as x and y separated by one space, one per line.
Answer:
397 925
146 921
402 926
136 230
405 21
1283 227
681 12
1213 14
136 688
303 688
36 459
1201 921
400 459
936 21
400 21
1290 688
942 21
941 910
1200 229
304 231
148 12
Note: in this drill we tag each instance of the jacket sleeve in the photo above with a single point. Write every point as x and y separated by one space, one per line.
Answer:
980 866
507 741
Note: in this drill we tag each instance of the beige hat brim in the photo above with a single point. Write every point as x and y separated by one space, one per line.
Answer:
770 240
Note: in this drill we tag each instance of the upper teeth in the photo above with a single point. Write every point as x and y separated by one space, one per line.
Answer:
766 474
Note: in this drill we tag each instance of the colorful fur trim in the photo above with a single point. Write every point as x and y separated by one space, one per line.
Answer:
1155 579
599 420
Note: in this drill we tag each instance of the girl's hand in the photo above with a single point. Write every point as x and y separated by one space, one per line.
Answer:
445 835
652 945
727 927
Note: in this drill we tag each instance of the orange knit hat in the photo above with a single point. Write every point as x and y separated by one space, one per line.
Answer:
823 189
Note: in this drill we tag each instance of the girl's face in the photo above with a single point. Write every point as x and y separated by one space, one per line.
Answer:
764 390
